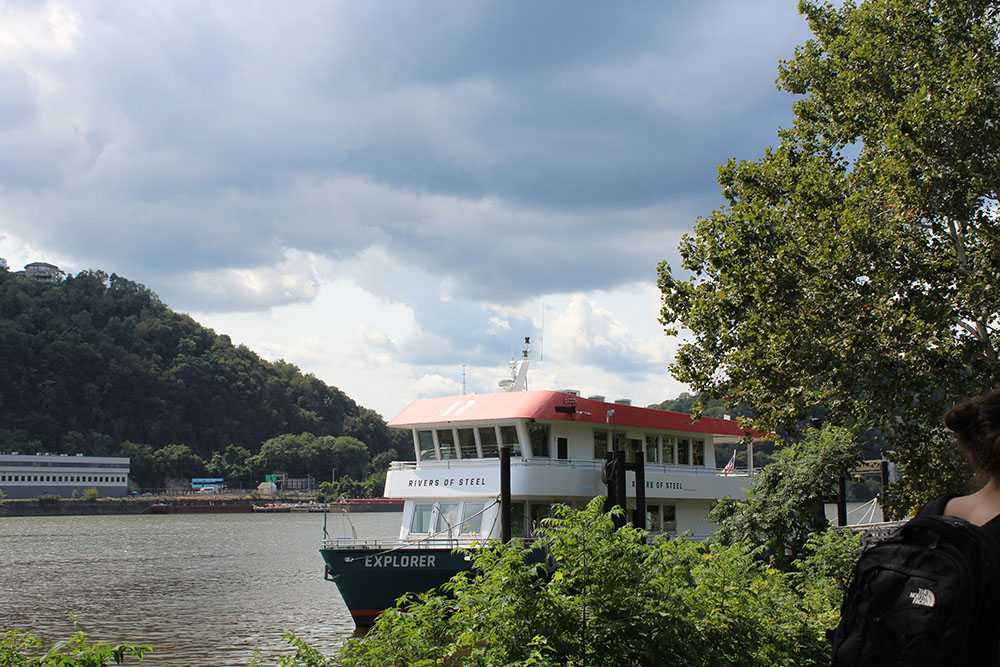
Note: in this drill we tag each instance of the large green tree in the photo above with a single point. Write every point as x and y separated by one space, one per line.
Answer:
853 267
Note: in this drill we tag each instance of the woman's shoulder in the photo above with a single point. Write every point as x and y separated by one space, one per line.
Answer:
977 508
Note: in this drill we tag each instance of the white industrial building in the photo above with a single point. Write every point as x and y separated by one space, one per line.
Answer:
34 475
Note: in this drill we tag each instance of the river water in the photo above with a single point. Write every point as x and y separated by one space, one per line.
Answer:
203 589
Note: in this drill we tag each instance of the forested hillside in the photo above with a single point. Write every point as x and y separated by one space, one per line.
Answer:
98 360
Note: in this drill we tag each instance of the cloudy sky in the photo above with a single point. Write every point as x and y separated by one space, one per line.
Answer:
381 192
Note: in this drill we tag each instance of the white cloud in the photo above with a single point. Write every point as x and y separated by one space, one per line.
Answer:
37 30
378 197
433 384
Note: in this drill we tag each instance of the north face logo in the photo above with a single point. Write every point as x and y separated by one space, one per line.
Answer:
923 597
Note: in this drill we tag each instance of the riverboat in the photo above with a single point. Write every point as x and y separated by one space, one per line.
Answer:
559 444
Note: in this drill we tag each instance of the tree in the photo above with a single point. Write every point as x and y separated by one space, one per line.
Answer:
785 504
99 359
232 464
350 457
854 265
601 596
143 466
177 462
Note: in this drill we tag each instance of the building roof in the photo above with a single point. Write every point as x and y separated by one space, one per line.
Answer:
41 265
556 406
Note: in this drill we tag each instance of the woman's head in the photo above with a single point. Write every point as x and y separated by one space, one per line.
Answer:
976 423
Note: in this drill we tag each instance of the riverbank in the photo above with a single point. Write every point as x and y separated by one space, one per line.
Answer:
170 505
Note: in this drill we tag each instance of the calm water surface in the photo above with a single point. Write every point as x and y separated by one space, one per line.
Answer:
203 589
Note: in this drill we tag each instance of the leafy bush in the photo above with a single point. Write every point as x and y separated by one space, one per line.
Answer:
605 596
20 649
91 494
785 505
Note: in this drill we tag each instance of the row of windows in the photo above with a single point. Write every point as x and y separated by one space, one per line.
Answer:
469 443
660 518
466 518
61 462
115 479
452 518
473 443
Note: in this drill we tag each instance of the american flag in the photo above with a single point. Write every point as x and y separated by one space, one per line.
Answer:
731 466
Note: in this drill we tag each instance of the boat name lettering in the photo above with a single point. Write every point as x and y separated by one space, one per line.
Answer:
397 560
448 481
661 484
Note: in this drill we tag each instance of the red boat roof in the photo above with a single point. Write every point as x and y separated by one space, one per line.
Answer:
555 406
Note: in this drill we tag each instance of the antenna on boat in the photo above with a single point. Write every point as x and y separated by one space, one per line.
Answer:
518 380
541 337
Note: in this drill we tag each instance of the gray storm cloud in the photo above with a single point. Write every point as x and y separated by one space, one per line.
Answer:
505 150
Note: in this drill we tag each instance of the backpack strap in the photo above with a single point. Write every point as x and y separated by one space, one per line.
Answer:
992 530
936 506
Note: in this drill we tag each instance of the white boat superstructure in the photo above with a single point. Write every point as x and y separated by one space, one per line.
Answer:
558 442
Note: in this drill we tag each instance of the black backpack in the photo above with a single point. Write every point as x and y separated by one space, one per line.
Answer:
926 595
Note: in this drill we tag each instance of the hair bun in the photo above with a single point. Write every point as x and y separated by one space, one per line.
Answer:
963 416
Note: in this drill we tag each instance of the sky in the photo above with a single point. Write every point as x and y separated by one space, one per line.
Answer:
387 192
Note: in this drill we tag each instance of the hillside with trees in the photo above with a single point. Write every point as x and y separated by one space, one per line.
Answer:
97 364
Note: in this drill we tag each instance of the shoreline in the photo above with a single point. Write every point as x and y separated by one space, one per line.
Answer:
30 507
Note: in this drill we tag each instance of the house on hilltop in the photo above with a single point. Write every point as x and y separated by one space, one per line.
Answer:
44 272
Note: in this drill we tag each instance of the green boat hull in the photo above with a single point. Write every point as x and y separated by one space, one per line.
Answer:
371 581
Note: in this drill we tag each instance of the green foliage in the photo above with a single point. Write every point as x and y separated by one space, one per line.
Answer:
91 494
304 656
823 574
232 464
854 265
603 597
305 453
19 649
98 360
785 503
177 462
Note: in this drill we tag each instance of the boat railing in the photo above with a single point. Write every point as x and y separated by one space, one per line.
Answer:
588 464
382 544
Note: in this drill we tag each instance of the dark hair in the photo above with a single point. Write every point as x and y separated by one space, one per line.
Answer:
976 423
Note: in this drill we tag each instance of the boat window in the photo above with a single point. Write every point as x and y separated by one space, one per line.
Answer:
653 519
633 447
470 522
652 450
683 452
421 522
467 443
600 444
426 443
539 434
562 448
488 440
669 519
508 436
517 520
446 443
448 517
669 449
698 453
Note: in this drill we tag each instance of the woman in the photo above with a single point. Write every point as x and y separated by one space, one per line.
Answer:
929 595
976 424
